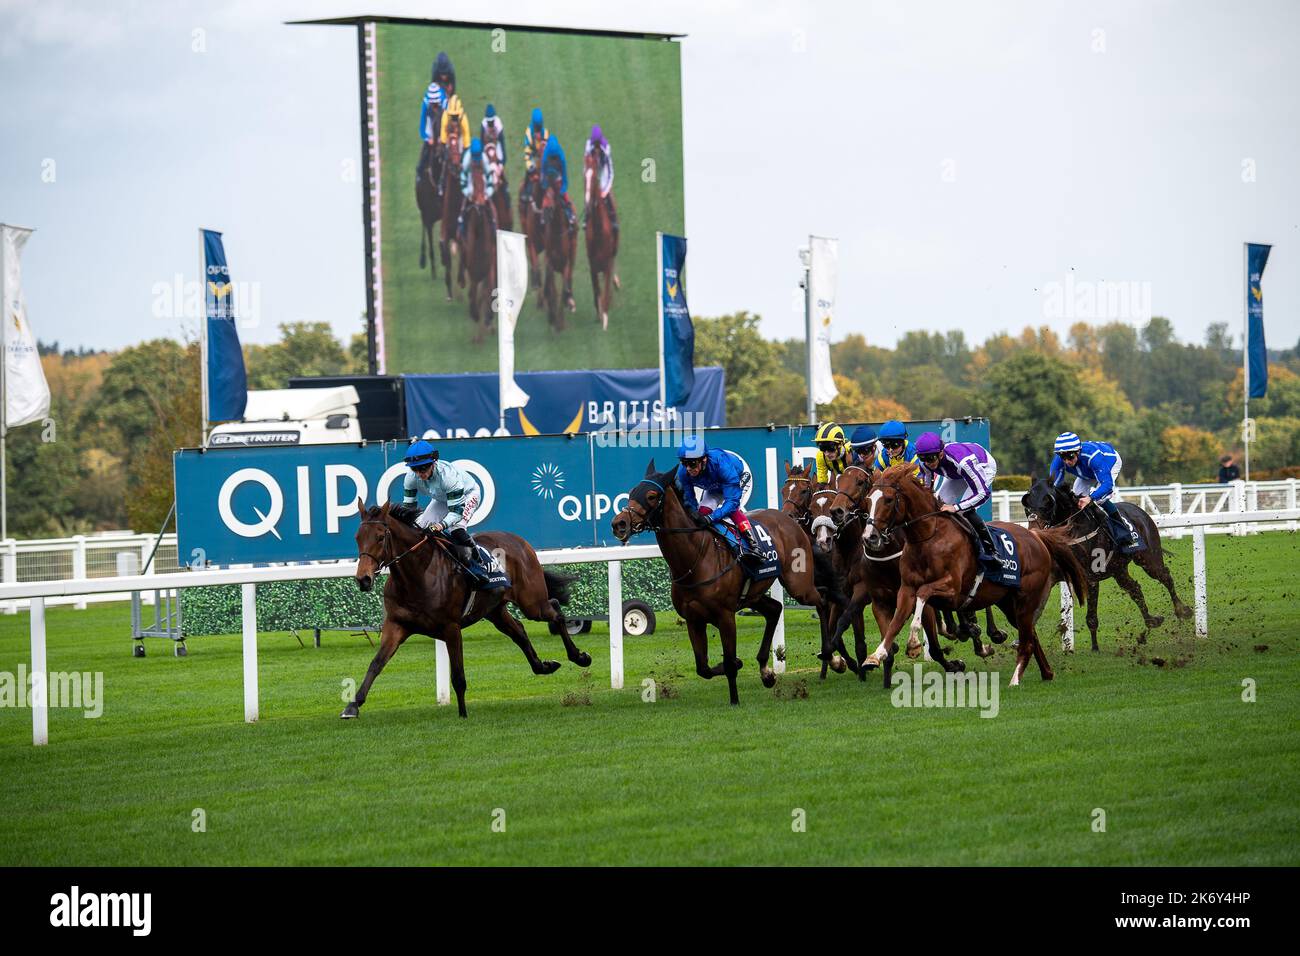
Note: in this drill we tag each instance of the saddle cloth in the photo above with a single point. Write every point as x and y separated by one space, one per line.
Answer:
1006 570
493 571
760 565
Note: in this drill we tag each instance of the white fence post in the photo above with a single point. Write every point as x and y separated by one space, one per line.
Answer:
1198 577
616 625
1067 619
39 701
1004 506
778 592
249 593
442 673
1176 505
1291 501
11 567
79 564
1238 504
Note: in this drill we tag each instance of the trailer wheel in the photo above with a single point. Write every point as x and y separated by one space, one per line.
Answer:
576 625
638 619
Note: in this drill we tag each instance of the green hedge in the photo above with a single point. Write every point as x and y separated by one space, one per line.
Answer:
1012 483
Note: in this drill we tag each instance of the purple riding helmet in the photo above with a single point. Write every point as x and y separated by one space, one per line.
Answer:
929 444
597 137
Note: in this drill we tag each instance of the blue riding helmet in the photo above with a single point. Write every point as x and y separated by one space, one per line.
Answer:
420 453
1067 442
490 112
692 446
893 431
476 147
537 118
864 436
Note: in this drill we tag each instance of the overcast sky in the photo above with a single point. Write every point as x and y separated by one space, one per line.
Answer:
971 157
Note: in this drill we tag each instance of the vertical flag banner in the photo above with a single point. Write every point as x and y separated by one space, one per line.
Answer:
512 290
1256 350
823 274
678 334
27 395
227 391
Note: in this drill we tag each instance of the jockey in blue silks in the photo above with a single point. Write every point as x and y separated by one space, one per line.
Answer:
894 448
721 478
1094 465
555 169
442 84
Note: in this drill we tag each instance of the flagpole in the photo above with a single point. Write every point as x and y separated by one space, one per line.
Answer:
805 256
203 334
1245 352
659 300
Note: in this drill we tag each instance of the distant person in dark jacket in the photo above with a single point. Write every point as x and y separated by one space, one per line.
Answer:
1228 471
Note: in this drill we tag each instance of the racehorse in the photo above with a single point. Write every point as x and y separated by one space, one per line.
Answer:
1049 507
560 245
426 197
938 566
501 194
854 484
452 199
479 256
708 583
426 594
530 224
602 242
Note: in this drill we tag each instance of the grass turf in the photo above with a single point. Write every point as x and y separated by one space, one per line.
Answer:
1186 772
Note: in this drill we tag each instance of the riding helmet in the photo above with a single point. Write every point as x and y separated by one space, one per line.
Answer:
829 434
864 436
929 444
1067 442
692 446
537 117
893 430
420 453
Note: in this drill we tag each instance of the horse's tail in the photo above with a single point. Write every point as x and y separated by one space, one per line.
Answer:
557 586
1065 562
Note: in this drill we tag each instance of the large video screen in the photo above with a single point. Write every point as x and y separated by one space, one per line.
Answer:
429 230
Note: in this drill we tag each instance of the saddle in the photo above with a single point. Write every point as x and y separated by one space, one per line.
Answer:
757 565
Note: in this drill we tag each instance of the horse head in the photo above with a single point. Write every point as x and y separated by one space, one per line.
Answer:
895 500
374 544
645 504
852 485
797 491
820 524
1042 505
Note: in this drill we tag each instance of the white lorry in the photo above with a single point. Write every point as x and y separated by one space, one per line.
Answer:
292 416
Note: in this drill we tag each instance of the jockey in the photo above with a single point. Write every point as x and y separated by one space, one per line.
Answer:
454 118
453 497
1094 465
535 138
968 471
475 156
493 134
555 170
863 443
895 449
441 85
721 477
605 170
832 452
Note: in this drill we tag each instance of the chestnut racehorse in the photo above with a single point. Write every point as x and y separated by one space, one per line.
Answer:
602 242
427 594
708 584
560 245
530 224
938 566
478 257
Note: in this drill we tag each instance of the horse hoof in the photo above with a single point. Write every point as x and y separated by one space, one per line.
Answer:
350 712
548 667
768 677
985 651
913 651
583 659
955 667
1048 675
1155 621
838 665
997 637
871 663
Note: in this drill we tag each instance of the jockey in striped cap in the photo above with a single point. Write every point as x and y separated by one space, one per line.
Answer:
1095 465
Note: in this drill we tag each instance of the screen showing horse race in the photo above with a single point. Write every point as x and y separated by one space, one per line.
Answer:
572 139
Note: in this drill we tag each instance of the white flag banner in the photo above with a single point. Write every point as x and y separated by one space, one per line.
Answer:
512 290
823 273
27 394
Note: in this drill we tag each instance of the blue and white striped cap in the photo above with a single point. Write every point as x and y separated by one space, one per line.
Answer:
1067 441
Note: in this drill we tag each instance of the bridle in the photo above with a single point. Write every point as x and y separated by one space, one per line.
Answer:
645 521
381 563
803 512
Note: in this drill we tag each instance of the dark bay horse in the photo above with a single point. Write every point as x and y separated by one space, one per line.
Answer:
602 242
478 258
451 203
708 584
1050 507
530 224
427 594
938 566
501 194
560 245
426 197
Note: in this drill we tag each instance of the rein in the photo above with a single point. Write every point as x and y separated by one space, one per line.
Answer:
644 524
384 565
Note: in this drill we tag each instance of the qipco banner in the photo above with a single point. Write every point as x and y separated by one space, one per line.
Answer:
254 505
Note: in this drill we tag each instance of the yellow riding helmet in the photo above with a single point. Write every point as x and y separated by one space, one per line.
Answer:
454 106
830 432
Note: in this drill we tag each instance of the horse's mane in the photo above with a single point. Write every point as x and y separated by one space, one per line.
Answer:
406 514
901 477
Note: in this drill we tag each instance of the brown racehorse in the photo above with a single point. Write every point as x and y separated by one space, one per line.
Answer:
451 202
560 245
501 194
530 224
938 567
426 594
426 197
854 484
1048 507
478 258
602 242
708 585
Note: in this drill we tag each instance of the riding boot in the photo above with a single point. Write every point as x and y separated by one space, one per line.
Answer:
982 533
1126 536
468 555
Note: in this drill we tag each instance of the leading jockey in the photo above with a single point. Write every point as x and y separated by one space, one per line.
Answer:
895 448
453 498
493 134
597 144
454 118
1094 465
555 171
441 85
475 156
721 478
535 139
968 470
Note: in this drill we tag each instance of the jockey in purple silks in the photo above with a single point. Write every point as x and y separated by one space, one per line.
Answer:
967 470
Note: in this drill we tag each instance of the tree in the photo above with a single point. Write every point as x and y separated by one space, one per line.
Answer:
759 388
305 348
1028 397
1187 454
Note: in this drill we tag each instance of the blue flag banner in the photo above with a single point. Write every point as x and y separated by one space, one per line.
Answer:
678 333
227 380
1256 350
